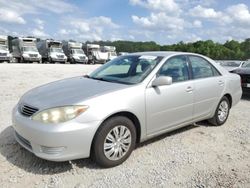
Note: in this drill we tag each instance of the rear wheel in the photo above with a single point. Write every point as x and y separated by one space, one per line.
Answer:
221 113
114 141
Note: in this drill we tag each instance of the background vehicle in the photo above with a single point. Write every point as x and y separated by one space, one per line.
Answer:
25 50
122 53
95 55
51 51
111 52
4 49
231 65
244 72
129 99
74 52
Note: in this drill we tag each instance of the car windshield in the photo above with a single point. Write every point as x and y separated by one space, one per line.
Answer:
59 50
29 49
230 64
77 51
130 69
246 65
3 47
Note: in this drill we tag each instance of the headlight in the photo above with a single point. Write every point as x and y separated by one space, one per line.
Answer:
60 114
53 56
76 57
26 55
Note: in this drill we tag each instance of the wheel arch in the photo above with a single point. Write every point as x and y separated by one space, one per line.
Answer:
229 97
130 116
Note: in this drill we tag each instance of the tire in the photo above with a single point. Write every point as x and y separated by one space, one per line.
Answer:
223 107
21 60
120 148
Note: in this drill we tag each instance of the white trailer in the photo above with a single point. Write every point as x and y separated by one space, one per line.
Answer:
95 55
4 49
25 50
51 51
111 51
74 52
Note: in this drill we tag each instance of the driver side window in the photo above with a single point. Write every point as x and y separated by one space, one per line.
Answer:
175 67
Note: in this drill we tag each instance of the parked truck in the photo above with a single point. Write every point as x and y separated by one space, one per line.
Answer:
5 54
25 50
111 50
51 51
74 52
95 55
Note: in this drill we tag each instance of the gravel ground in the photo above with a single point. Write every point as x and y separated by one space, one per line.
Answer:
196 156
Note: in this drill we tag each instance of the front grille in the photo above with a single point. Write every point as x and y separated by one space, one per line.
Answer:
23 141
28 110
82 57
60 56
33 55
3 54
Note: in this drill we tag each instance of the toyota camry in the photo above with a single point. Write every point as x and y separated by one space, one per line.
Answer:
126 101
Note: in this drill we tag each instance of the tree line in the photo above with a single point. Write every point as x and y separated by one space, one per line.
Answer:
230 50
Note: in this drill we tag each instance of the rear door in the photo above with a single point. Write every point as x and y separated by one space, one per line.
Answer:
170 105
208 86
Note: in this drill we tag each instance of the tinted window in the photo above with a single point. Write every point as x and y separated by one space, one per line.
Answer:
176 67
202 68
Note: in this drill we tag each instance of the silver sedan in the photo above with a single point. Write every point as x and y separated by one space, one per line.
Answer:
126 101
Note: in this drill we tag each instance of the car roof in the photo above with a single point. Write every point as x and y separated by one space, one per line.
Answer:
163 53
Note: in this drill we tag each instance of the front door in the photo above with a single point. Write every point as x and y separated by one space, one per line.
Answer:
170 105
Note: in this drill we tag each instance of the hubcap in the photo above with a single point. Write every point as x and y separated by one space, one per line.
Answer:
117 143
223 111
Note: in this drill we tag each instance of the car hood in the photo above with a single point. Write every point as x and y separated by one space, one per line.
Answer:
228 68
68 92
57 53
4 51
242 71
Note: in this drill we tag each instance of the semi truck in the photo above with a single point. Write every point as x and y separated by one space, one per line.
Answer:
25 50
111 50
5 54
51 51
95 55
74 52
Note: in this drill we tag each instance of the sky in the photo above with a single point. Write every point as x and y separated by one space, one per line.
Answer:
162 21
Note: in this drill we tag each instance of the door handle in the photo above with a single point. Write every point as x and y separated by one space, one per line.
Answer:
221 83
189 89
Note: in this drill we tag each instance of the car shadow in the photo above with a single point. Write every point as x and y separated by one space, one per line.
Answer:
168 134
23 159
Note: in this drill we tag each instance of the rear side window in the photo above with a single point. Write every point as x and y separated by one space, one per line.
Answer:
201 68
175 67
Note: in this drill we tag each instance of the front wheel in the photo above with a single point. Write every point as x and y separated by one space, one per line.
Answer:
114 141
221 113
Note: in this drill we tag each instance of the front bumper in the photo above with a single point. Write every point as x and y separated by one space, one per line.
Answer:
81 60
4 58
59 59
32 59
246 90
67 141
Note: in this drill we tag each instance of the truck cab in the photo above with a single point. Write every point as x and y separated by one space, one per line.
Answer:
25 50
5 54
74 52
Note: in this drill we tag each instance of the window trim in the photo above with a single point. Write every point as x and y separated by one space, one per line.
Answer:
188 67
191 68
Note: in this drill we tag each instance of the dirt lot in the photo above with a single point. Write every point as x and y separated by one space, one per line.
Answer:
196 156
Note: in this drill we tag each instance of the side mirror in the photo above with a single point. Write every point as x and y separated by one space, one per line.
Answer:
162 80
